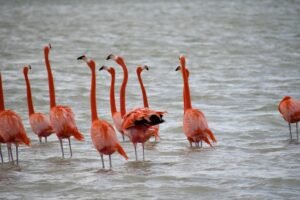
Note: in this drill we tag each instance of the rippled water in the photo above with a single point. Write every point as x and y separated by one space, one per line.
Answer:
243 56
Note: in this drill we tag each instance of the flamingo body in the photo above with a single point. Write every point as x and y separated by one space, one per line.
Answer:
40 125
117 119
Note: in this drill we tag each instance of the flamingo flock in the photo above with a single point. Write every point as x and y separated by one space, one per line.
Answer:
138 125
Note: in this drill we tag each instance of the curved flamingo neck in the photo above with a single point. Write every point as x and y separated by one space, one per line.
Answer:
29 96
123 89
184 96
50 81
187 96
2 107
145 98
113 107
93 93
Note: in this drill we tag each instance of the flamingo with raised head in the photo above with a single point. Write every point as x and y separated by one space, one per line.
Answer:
195 124
117 118
40 123
183 94
61 117
137 122
102 133
11 128
290 111
153 129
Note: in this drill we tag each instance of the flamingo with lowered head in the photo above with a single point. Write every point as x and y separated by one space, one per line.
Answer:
137 122
61 117
40 123
290 111
11 128
102 133
195 124
153 129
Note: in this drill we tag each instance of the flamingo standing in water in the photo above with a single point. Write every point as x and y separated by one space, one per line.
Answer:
137 122
61 117
40 124
290 111
117 116
11 128
195 124
153 129
103 134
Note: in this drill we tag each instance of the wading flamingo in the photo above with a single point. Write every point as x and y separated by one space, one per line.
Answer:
136 123
153 129
61 117
40 123
195 124
117 118
11 128
290 111
103 134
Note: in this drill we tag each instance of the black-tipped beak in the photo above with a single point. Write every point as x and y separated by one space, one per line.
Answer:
109 56
146 67
50 46
81 57
177 68
102 68
29 66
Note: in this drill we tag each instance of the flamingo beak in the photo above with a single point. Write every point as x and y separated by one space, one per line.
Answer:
81 57
110 56
50 46
102 68
146 67
29 67
178 68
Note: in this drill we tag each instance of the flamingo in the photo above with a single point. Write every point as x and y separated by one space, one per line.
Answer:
12 130
117 117
103 134
153 129
195 124
40 123
61 117
184 99
137 122
290 111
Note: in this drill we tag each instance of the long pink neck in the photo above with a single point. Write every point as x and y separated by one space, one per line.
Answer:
93 94
50 81
145 98
187 96
2 107
113 107
123 90
184 96
29 96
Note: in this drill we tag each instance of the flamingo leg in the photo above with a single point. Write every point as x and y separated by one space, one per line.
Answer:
290 131
40 140
134 145
297 131
143 145
123 137
46 139
1 154
11 158
201 143
191 144
62 148
197 144
70 147
17 153
101 155
110 165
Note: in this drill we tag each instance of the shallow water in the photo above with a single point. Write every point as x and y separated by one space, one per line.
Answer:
243 57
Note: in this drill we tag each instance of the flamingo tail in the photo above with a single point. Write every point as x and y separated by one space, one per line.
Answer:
25 139
211 135
121 151
77 135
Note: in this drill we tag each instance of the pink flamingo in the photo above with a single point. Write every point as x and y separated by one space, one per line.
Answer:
153 129
61 117
103 134
11 128
40 124
195 124
117 116
136 123
290 111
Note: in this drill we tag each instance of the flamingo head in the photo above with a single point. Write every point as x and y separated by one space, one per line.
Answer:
47 49
26 68
91 63
179 68
111 70
117 59
182 60
139 69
